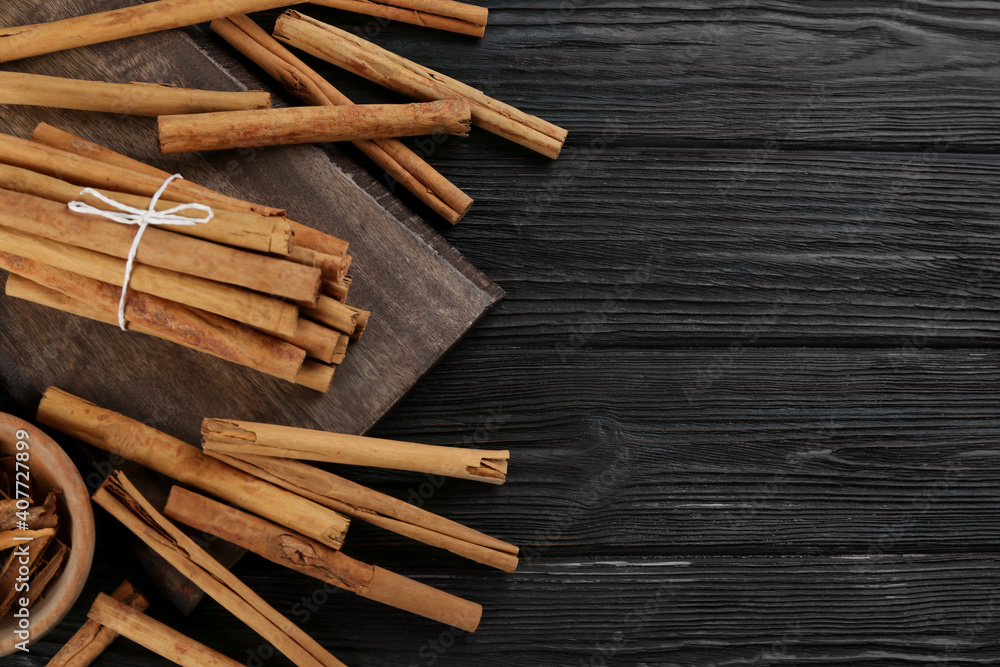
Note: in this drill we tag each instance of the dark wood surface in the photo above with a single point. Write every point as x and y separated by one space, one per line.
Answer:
747 366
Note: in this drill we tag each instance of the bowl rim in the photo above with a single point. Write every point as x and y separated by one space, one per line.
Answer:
63 593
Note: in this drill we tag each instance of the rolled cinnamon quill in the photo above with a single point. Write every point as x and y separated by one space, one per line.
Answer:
305 237
123 501
160 248
379 509
137 99
235 437
399 162
334 314
441 14
237 304
195 329
242 230
53 137
153 635
310 374
92 637
140 443
302 554
407 77
303 125
34 40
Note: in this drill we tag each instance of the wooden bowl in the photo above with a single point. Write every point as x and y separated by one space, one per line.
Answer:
50 468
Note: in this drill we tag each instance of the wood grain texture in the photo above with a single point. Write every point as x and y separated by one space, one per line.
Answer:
803 382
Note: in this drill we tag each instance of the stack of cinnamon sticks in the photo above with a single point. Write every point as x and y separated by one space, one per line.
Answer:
250 286
287 511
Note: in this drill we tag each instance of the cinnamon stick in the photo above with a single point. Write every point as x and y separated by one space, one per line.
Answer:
318 341
334 314
127 621
302 554
337 290
140 443
235 437
123 501
315 375
305 237
407 77
242 230
159 248
10 538
441 14
390 513
237 304
34 40
332 267
402 164
137 99
92 637
195 329
53 137
304 125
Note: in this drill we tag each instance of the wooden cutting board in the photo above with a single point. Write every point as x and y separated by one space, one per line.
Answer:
423 295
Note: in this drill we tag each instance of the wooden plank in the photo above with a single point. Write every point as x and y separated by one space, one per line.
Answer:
755 451
852 73
695 610
654 247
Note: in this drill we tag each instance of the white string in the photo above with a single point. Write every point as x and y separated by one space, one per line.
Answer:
143 218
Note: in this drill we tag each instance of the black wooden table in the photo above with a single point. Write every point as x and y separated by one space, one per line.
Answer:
747 366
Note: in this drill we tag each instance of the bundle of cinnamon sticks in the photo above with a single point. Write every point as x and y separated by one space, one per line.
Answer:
250 286
291 513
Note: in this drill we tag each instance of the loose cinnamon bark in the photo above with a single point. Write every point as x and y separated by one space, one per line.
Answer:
34 40
123 501
140 443
159 248
402 164
300 553
44 575
441 14
237 304
376 508
92 637
407 77
53 137
137 99
304 125
10 538
196 329
242 230
235 437
153 635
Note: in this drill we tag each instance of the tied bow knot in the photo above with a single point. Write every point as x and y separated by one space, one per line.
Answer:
129 215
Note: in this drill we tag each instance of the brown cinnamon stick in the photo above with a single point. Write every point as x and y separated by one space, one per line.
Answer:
128 622
300 553
250 308
376 508
237 438
33 40
92 637
123 501
441 14
402 164
334 314
53 137
407 77
198 330
242 230
137 99
140 443
159 248
305 237
303 125
332 267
